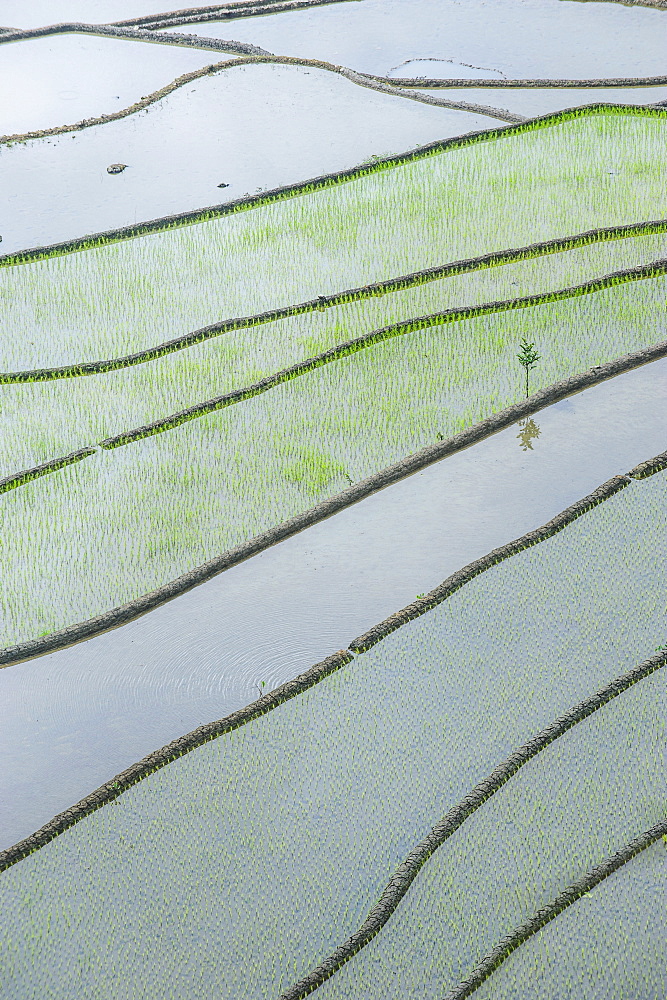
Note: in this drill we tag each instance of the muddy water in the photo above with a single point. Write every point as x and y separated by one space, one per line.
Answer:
74 718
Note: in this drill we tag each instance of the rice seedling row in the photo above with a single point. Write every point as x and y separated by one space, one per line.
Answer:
41 420
579 800
405 467
191 847
294 822
132 518
335 661
611 938
563 270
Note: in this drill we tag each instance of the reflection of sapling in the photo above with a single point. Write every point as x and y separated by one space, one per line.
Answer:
529 431
528 358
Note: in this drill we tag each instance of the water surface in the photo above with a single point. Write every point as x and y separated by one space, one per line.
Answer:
35 13
63 79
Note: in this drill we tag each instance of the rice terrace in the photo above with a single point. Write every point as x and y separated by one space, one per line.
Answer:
333 500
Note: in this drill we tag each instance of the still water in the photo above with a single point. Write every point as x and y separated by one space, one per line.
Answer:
78 716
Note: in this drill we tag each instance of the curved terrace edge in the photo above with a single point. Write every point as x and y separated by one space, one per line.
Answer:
160 758
408 871
405 281
546 914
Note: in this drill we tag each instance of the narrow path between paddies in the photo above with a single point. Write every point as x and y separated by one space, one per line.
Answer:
140 13
59 418
533 101
620 87
499 855
293 822
227 11
635 253
611 937
73 717
260 58
415 189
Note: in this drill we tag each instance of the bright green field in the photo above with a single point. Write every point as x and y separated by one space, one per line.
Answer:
135 517
43 420
509 191
259 852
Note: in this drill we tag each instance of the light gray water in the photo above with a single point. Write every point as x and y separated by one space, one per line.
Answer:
74 718
512 38
612 939
35 13
262 126
64 79
532 103
71 720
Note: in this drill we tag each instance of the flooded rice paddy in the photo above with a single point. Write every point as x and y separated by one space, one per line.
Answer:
268 619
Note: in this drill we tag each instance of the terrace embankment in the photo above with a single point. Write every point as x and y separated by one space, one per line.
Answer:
304 759
223 12
149 764
405 875
566 898
369 291
260 57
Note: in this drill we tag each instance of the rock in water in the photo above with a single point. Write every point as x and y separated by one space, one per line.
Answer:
116 168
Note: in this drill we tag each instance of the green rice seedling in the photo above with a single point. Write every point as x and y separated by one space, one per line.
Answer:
291 826
599 112
46 419
128 296
611 943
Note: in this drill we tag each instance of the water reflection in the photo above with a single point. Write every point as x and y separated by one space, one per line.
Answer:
529 431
